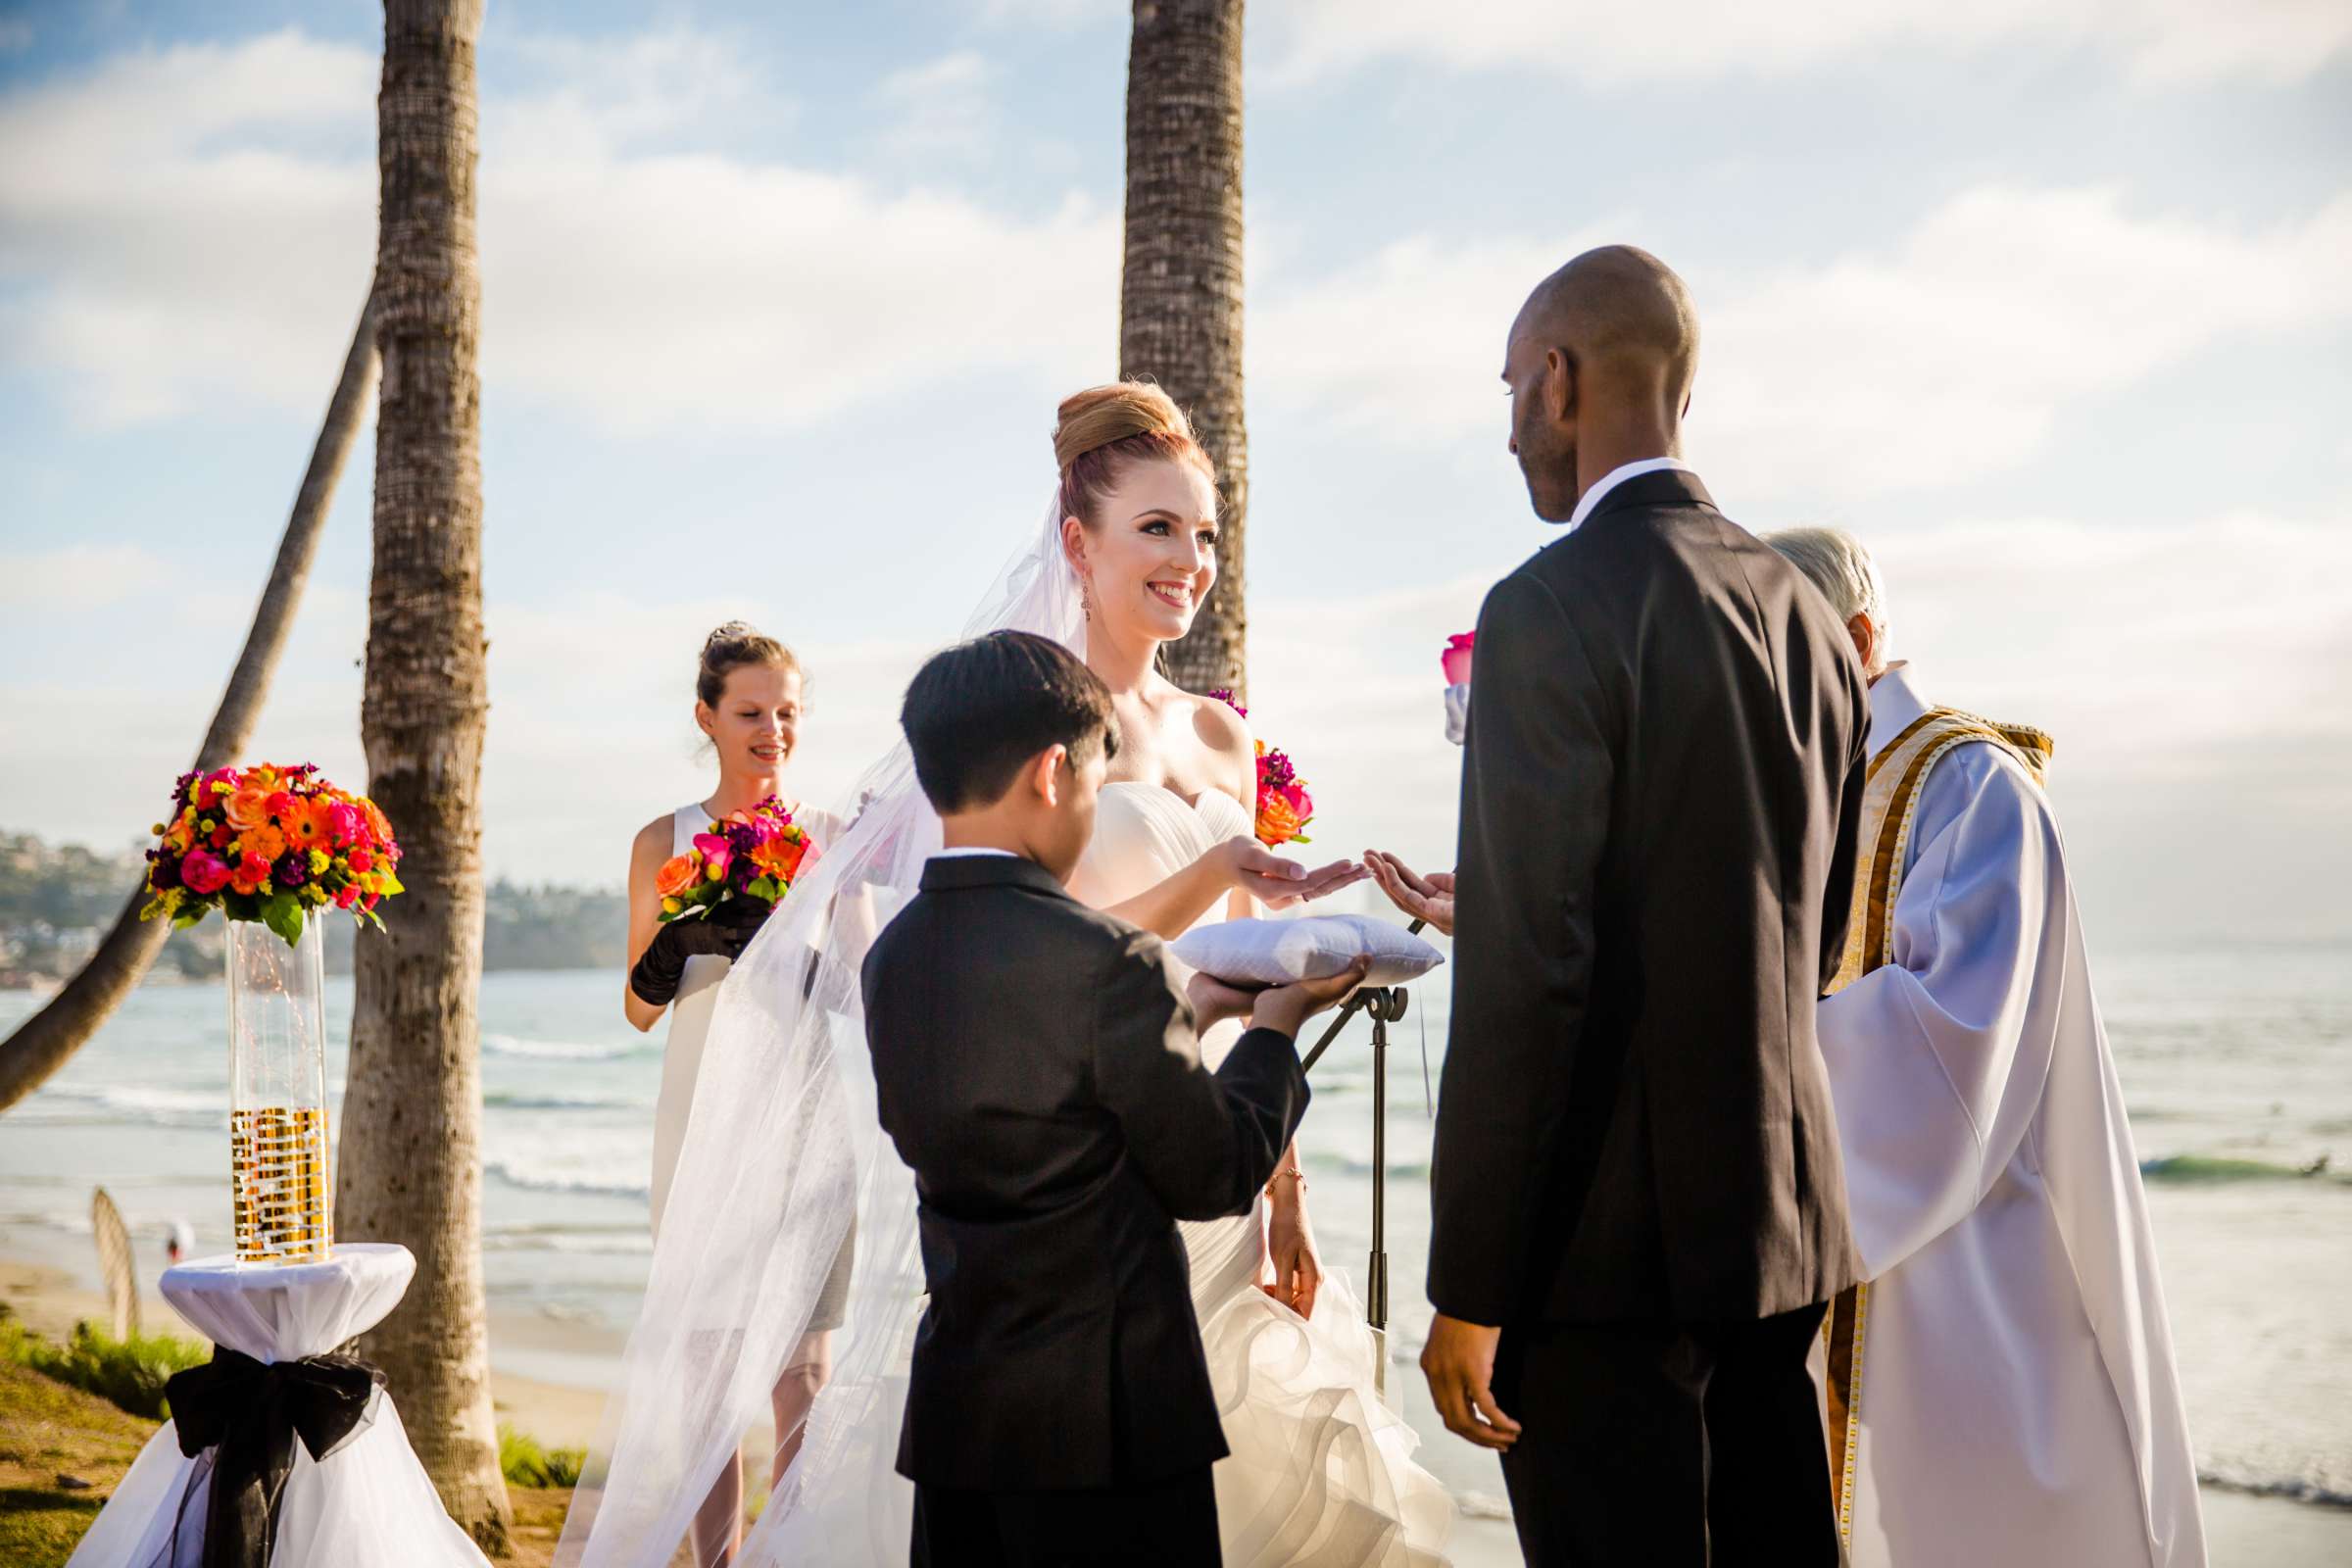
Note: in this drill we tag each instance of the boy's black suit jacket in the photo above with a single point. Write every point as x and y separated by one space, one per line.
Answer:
1038 1073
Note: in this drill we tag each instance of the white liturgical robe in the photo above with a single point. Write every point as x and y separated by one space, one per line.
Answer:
2015 1391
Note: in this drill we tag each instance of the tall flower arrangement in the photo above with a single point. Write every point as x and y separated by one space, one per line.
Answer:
270 844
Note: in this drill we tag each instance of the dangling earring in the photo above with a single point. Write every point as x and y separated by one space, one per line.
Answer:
1085 598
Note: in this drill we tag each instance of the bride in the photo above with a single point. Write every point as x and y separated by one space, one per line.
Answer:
783 1146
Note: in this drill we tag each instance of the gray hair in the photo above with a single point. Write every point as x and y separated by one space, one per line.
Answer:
1835 562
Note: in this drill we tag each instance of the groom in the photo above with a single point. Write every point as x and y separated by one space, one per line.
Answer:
1638 1208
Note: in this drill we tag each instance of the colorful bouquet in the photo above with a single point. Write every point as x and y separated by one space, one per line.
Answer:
269 844
1284 806
752 855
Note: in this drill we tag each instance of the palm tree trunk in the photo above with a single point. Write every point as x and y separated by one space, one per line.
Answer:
411 1158
1180 293
43 1042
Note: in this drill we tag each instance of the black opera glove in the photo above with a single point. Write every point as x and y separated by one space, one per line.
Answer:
723 933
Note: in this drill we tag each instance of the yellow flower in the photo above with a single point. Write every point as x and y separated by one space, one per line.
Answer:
320 861
672 906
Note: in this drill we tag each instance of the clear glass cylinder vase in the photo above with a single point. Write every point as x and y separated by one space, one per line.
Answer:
280 1175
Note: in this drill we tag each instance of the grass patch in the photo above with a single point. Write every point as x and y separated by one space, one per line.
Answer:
49 1430
129 1373
526 1464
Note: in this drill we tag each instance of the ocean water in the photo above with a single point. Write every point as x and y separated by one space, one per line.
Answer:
2237 1068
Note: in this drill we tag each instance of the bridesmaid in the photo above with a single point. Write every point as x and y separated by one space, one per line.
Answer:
748 705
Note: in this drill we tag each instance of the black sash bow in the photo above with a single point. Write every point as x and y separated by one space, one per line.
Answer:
251 1412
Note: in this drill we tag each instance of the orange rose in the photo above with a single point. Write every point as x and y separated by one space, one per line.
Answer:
248 805
251 874
264 844
377 823
676 875
1277 824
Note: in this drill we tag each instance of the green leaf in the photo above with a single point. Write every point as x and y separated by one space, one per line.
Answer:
764 886
282 913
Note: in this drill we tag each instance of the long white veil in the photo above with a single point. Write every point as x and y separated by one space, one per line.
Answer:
782 1147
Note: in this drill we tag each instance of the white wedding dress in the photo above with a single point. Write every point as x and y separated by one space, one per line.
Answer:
1321 1473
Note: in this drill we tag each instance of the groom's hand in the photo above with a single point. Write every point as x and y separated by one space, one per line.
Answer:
1425 898
1459 1363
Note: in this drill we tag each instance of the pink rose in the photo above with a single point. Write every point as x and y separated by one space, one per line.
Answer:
1456 657
362 862
204 871
347 823
716 852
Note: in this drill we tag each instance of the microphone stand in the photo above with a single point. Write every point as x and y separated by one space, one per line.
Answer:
1384 1005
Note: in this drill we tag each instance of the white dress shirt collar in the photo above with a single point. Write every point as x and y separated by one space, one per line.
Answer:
1615 478
966 851
1895 706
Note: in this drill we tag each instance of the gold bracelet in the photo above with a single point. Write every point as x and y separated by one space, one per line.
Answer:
1280 1174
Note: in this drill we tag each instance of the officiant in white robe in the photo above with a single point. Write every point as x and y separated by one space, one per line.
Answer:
2003 1390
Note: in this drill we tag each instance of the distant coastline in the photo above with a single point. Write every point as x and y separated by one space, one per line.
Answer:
57 900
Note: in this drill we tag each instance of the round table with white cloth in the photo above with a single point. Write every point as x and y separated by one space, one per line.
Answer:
369 1503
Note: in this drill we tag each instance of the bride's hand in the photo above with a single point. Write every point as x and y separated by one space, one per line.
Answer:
1278 883
1291 1247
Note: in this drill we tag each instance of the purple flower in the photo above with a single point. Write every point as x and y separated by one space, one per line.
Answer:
1224 694
291 870
163 871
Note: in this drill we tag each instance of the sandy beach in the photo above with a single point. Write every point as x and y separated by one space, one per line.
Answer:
2244 1531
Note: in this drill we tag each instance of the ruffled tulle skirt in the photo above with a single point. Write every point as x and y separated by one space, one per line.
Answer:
1321 1473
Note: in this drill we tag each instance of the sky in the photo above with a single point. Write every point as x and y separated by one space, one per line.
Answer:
2050 301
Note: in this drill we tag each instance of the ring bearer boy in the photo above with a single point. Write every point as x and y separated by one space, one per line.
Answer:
1039 1071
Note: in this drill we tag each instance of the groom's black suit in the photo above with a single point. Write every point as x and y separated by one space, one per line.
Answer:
1637 1171
1038 1071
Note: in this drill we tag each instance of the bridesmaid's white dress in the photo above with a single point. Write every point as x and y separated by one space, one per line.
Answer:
1321 1471
690 1011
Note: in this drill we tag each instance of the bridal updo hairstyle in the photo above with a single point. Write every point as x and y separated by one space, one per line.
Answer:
975 715
733 647
1098 431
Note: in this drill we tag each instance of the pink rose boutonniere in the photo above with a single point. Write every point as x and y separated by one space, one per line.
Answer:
1456 662
1455 659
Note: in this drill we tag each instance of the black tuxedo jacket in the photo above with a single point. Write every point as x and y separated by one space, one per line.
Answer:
1038 1070
1660 807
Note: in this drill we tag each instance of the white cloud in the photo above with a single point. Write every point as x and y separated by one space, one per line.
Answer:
941 107
78 578
178 252
178 248
1950 353
2188 673
1694 40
